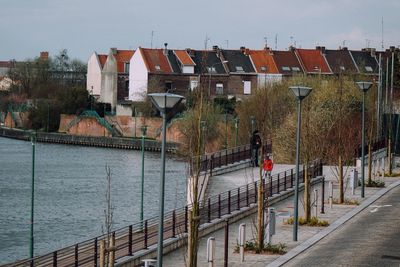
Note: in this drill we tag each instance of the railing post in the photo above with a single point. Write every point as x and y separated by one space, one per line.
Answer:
173 222
238 199
145 234
291 178
229 202
323 196
209 210
76 256
219 205
220 159
247 195
95 252
211 164
186 219
270 185
130 241
255 192
226 157
278 184
55 258
284 183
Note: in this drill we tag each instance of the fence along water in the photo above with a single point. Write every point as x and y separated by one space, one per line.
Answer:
139 236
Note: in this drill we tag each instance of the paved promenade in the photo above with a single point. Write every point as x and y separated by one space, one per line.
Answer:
283 231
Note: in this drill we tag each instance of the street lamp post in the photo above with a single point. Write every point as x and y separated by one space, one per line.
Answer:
252 150
31 241
300 92
210 71
164 102
203 137
237 129
144 129
364 87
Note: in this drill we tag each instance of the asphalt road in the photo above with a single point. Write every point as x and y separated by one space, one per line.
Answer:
372 238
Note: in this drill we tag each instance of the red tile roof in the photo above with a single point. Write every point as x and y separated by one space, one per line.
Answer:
285 62
312 61
184 58
156 57
102 59
122 57
263 59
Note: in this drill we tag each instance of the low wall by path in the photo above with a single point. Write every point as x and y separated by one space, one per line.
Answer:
107 142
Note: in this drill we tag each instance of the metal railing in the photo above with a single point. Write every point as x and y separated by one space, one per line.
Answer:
141 235
97 141
209 162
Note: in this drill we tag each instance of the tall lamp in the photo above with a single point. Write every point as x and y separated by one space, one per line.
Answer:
364 87
300 92
164 102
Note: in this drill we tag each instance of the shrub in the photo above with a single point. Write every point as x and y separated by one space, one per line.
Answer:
314 221
376 184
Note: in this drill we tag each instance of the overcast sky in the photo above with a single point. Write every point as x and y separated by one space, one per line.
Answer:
84 26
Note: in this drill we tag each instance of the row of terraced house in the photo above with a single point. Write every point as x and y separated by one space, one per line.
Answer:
124 76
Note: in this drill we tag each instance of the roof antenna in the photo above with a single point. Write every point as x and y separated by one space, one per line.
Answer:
206 42
151 41
227 44
266 42
276 41
382 36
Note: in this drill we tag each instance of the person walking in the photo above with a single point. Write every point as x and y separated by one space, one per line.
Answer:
255 143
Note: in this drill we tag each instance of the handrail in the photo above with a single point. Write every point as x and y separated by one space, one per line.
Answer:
140 235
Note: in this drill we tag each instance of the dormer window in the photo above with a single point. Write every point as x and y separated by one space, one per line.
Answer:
211 70
284 68
157 67
368 68
342 68
239 69
295 69
126 67
263 68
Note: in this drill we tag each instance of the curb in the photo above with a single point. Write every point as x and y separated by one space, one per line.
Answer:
336 224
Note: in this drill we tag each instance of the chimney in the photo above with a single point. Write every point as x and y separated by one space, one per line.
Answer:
190 52
391 48
242 49
215 48
344 48
373 52
247 52
113 50
165 49
44 55
292 48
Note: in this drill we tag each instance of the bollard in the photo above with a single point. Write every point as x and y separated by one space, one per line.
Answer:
316 202
330 194
271 222
149 262
242 240
383 168
353 180
210 251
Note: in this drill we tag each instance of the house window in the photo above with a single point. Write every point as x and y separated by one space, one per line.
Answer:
263 68
239 69
211 70
342 68
157 67
193 84
219 89
284 68
127 85
247 87
368 68
168 85
295 69
126 67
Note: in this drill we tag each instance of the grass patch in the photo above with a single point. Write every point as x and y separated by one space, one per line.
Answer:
394 174
252 247
314 221
346 202
376 184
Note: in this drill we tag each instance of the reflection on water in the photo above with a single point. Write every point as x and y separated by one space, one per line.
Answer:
70 189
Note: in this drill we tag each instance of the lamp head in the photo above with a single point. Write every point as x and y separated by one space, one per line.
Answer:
300 92
165 101
364 86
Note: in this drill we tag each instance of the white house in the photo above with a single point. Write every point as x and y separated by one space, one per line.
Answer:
138 76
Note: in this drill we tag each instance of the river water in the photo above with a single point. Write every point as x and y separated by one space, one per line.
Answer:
70 187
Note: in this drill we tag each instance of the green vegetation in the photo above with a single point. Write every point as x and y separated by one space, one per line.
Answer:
375 183
346 201
251 246
314 221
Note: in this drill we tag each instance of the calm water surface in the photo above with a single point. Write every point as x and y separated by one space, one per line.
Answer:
70 188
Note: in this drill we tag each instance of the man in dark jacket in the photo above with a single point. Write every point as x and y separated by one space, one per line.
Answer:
255 143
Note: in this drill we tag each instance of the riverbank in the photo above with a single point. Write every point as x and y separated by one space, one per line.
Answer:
92 141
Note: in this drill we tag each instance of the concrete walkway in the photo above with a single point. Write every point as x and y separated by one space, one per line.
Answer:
283 231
